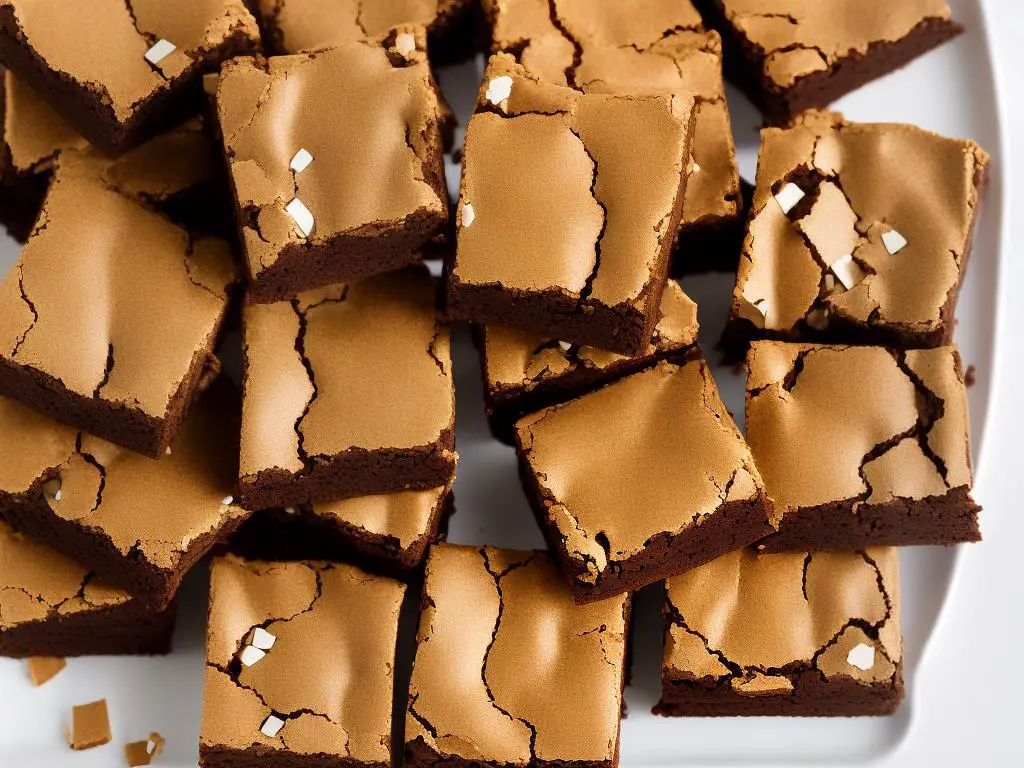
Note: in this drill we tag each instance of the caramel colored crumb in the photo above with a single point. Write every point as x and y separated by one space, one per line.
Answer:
90 726
42 669
145 752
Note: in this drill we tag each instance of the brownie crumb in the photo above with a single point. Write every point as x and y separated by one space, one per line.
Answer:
970 375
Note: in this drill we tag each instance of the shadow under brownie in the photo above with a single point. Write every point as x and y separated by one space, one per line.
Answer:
385 533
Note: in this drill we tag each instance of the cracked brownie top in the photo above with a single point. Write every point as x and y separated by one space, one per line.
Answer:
295 26
156 511
365 366
759 621
105 45
299 658
341 143
842 236
38 583
643 47
821 433
516 362
570 193
667 457
526 676
110 299
796 38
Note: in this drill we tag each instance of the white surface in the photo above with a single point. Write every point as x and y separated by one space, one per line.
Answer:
962 704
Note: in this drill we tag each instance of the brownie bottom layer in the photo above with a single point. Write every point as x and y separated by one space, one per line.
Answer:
949 519
418 754
357 472
744 65
123 630
344 258
556 315
114 421
260 756
153 585
813 695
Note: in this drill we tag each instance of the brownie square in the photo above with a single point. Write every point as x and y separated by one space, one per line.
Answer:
386 533
643 479
801 54
568 208
121 72
800 633
660 48
299 26
848 469
508 670
336 163
140 523
348 392
52 606
299 665
845 245
524 373
109 319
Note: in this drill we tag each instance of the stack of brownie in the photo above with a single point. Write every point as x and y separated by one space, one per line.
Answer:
272 172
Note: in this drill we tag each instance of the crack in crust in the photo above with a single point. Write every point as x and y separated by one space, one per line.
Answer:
792 670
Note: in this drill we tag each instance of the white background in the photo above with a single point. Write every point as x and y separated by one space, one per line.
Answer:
963 706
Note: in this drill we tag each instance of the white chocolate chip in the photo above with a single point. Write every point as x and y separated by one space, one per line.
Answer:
167 451
789 196
847 271
250 655
862 657
271 726
300 160
565 345
160 51
468 215
227 500
51 488
262 639
301 216
405 44
695 169
289 510
754 311
499 89
894 242
150 747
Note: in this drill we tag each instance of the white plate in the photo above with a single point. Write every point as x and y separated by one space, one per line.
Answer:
950 91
